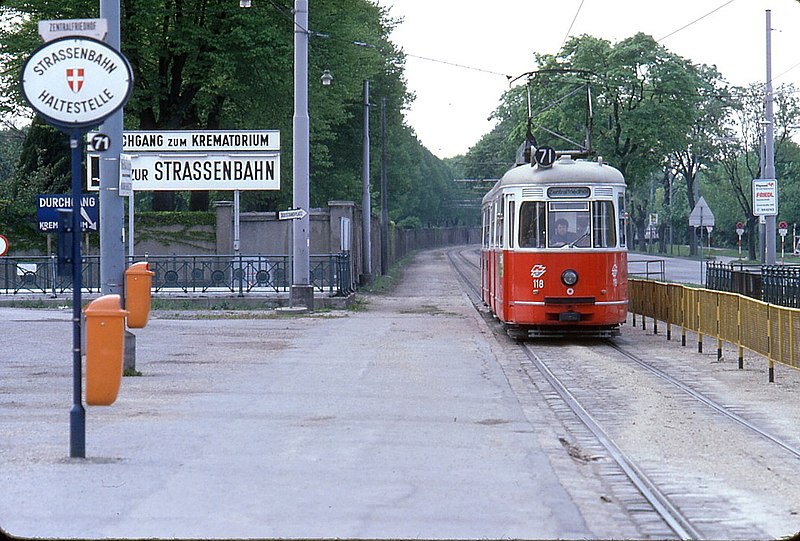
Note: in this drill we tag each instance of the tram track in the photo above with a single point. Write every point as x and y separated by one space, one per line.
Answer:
661 502
711 403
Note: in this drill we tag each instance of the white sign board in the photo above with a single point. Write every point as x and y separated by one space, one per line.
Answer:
201 141
159 172
292 214
197 160
125 169
90 28
76 82
765 197
701 215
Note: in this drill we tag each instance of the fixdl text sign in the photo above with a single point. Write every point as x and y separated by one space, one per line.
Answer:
765 197
47 207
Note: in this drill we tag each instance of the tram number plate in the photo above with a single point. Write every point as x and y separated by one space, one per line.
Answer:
538 283
545 156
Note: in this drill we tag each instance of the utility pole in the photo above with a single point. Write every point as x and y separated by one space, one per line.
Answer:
366 206
384 195
302 292
769 145
112 206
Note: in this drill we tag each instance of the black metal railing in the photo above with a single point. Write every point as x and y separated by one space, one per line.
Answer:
238 274
780 284
650 269
775 284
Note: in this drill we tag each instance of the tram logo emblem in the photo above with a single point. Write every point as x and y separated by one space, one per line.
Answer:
614 272
537 271
75 79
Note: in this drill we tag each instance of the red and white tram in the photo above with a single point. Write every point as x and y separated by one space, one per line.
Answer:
553 255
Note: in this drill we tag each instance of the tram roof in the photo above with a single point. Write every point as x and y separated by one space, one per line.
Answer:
564 171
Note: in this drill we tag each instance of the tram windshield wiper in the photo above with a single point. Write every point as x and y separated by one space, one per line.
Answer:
576 241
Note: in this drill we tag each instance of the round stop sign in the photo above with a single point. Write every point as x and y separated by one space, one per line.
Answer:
3 245
783 228
739 228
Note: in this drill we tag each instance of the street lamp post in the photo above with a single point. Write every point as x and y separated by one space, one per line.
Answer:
366 207
112 209
384 196
302 291
769 146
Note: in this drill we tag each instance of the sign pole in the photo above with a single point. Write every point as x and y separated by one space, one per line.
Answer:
77 415
112 205
92 93
769 147
701 246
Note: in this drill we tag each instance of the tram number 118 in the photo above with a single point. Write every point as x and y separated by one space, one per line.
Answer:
538 283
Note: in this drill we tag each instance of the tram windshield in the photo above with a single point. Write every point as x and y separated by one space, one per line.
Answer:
577 224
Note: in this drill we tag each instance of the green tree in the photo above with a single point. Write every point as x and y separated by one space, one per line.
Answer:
647 104
740 152
207 64
705 135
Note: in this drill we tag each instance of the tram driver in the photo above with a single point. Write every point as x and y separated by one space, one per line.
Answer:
561 234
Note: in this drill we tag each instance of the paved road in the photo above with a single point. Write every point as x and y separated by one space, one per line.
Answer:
685 271
394 421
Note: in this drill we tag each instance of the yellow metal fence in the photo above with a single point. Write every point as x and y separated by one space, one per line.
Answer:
760 327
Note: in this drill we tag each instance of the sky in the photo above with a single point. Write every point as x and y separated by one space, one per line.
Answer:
459 53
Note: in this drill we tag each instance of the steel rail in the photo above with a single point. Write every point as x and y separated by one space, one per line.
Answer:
660 503
676 521
716 406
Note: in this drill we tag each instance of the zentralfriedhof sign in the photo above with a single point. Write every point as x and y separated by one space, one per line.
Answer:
198 160
76 81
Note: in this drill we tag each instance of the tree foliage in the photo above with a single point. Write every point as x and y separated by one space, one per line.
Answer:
660 119
208 64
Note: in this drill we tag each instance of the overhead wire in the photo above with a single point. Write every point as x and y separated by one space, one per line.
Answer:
569 30
458 65
695 21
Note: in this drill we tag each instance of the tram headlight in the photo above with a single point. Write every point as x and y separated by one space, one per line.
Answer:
569 277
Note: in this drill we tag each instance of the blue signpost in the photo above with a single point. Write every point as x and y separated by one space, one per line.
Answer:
74 83
49 206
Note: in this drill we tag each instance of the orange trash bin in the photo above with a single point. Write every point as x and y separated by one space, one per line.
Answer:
105 344
138 282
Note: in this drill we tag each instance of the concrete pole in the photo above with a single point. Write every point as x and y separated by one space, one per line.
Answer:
302 292
366 207
384 196
112 206
769 145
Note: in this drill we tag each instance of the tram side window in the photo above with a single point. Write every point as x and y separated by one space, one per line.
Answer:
604 224
532 224
486 226
499 224
510 223
621 207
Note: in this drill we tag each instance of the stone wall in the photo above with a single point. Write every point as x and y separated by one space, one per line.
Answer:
261 233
